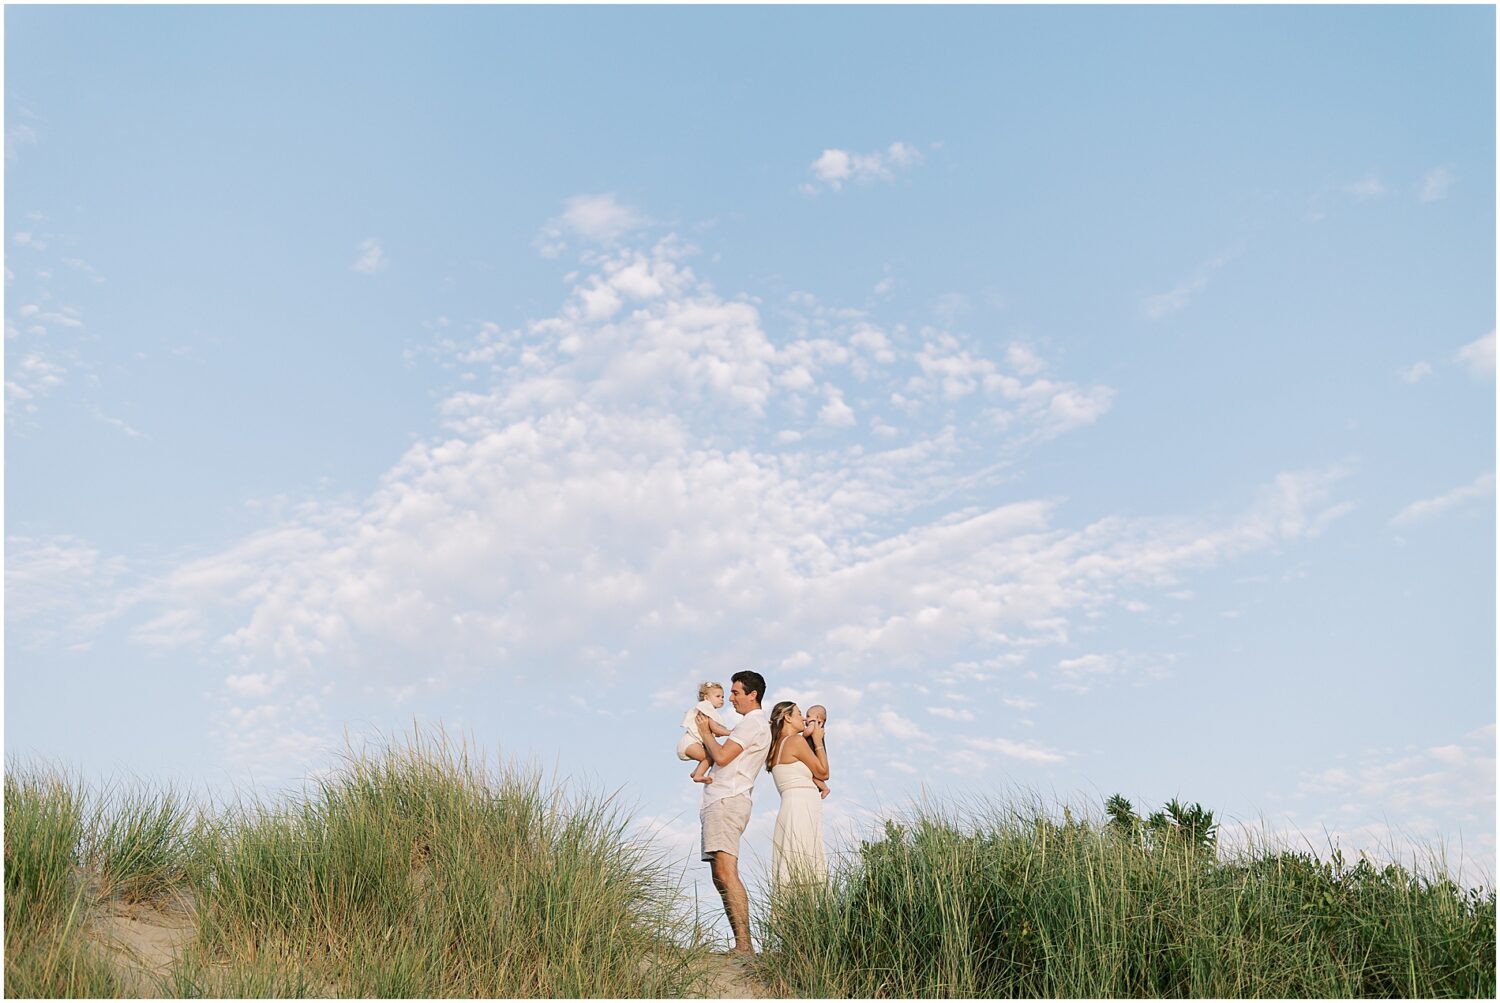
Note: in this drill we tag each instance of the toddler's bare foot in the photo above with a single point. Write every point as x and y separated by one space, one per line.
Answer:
702 780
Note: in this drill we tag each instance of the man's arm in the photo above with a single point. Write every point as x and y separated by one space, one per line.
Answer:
719 755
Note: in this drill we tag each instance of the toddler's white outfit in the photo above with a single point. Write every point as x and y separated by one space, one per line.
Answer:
690 736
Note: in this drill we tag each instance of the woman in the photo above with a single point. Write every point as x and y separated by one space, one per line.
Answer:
797 845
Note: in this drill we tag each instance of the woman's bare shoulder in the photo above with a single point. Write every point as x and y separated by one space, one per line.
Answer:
786 753
801 752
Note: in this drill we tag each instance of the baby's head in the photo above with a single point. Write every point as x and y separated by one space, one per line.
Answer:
817 714
712 692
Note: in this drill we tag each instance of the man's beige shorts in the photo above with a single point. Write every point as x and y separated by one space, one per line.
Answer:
724 822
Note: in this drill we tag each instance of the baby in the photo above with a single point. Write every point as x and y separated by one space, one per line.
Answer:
690 745
816 714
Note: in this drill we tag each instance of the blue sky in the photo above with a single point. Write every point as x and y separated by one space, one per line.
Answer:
1079 399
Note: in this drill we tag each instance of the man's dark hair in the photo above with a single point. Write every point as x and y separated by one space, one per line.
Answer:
751 682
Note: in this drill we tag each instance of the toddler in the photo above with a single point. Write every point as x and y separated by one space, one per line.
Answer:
690 745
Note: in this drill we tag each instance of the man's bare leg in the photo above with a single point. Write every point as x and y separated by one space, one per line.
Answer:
726 872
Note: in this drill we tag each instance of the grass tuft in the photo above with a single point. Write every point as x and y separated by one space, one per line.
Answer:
1001 903
414 871
419 871
47 897
141 844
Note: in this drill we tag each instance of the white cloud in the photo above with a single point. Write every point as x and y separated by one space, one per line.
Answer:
950 307
836 413
121 424
252 684
1072 407
834 167
614 480
1176 299
900 154
798 660
874 344
1416 372
64 317
1086 665
172 629
79 264
952 713
946 365
1016 750
898 727
1368 187
1454 781
1435 185
48 347
599 220
59 590
1482 486
371 257
30 378
1023 360
17 136
1479 357
262 737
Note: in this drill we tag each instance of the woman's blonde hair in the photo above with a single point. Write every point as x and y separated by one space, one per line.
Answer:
778 721
704 689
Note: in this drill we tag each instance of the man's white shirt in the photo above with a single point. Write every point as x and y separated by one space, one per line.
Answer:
753 735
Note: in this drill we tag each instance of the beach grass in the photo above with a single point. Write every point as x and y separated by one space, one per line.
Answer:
47 893
140 842
416 870
999 902
420 870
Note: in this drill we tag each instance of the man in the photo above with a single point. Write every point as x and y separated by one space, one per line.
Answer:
737 764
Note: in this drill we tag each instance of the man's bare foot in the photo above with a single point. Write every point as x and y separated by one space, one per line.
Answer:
702 780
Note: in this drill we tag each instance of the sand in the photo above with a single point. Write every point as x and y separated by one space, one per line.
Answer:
729 978
143 940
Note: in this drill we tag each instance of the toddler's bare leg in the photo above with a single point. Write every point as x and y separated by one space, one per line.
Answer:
700 772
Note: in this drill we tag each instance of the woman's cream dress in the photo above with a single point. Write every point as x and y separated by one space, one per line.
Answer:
797 845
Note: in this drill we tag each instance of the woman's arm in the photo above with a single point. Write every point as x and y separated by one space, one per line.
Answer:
816 758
